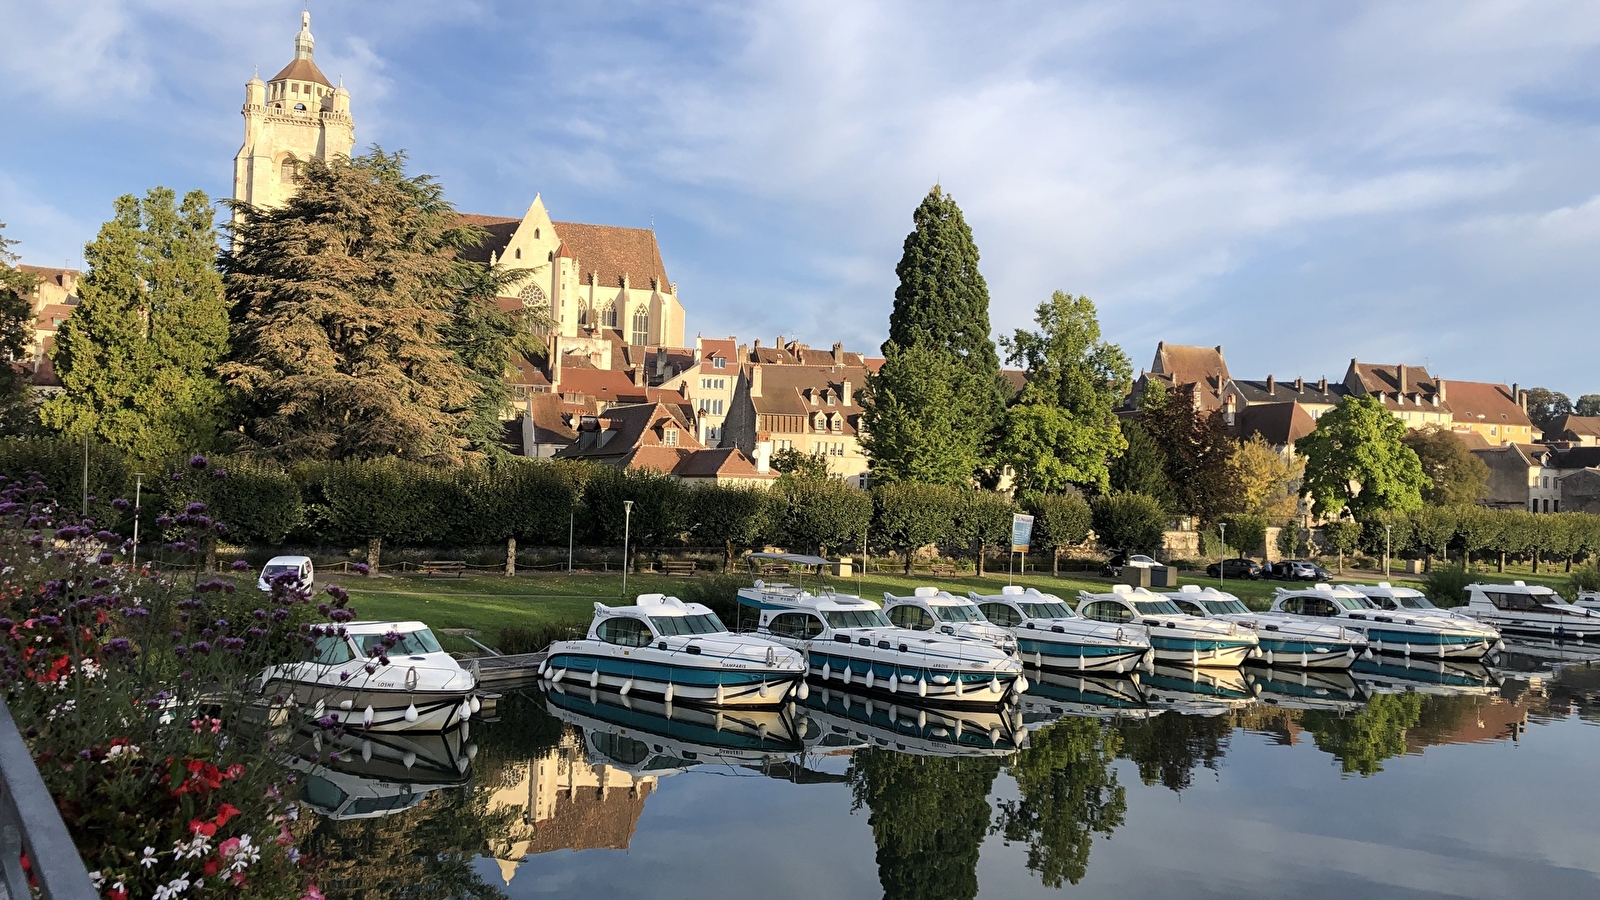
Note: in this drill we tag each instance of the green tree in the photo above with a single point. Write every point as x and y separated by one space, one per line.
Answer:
729 516
1142 467
660 508
1363 740
1059 521
983 522
1246 532
1269 482
17 415
929 816
1343 537
372 501
1545 405
1455 474
485 339
1067 793
1199 452
1129 522
259 501
1432 530
922 422
818 515
345 304
909 516
1587 405
137 357
1063 430
1357 460
1477 529
793 462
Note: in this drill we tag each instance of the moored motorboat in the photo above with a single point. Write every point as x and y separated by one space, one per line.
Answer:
850 644
1052 637
1058 694
1397 598
1308 689
377 676
915 729
1195 691
365 775
1395 675
1531 609
1175 637
1283 640
1402 633
664 648
930 609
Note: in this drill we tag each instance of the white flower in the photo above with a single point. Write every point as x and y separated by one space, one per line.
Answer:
96 878
173 888
149 857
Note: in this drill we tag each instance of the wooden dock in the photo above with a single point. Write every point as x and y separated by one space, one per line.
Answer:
506 671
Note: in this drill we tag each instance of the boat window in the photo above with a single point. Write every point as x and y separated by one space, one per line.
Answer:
1157 608
855 618
960 612
1051 610
323 794
675 625
1386 602
1224 607
1320 606
1414 603
795 625
1509 600
411 643
624 632
624 750
330 650
1189 607
913 617
1352 603
1108 611
1000 614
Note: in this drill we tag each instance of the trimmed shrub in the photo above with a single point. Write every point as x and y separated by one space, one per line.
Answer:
1447 585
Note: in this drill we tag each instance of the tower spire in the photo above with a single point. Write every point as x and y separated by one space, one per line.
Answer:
303 42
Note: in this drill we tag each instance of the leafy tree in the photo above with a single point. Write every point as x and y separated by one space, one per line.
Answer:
60 464
1363 740
1067 792
1341 536
1269 482
1129 522
374 501
730 516
929 816
1386 531
983 521
922 420
259 501
909 516
1587 405
660 508
1545 405
1357 460
1432 529
1246 532
137 357
1075 380
1199 453
345 305
1142 467
17 415
1455 474
818 514
806 465
1059 521
484 339
1477 529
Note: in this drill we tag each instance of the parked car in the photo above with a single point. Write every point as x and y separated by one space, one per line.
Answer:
1297 570
1120 561
1238 567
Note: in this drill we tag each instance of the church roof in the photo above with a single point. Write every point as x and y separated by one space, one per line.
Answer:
303 70
612 251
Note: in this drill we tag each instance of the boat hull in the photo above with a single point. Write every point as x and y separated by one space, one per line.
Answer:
674 682
1395 642
390 710
1067 655
917 728
931 686
1200 652
1559 627
1308 653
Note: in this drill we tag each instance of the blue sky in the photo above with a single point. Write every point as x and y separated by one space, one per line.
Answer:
1299 182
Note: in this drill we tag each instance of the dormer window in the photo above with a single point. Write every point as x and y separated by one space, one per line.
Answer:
669 436
719 363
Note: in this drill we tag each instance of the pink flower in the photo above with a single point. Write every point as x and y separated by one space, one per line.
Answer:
312 893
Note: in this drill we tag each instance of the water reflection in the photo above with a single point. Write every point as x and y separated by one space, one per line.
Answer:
933 790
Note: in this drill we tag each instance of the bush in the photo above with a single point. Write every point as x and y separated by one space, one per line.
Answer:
1447 585
719 592
1130 522
1246 533
514 639
1586 578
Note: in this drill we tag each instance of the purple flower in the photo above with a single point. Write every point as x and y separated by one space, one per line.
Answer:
257 632
49 621
135 612
197 461
121 504
341 615
233 643
163 521
339 594
7 624
240 565
108 537
200 647
119 645
219 473
383 660
105 559
362 568
195 508
280 614
260 613
177 476
99 583
327 722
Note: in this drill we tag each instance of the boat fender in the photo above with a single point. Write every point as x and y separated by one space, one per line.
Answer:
594 678
316 741
922 718
761 689
868 680
461 765
346 704
544 669
466 730
1408 648
321 710
1350 653
465 712
994 684
1194 656
827 671
994 734
1303 660
411 716
720 694
922 688
476 705
626 687
761 731
717 721
560 674
894 684
805 690
410 759
958 684
1270 657
366 751
1119 667
667 694
845 674
366 717
1081 664
1021 684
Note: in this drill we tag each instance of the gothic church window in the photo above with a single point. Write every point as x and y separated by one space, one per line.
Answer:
289 169
532 295
641 328
608 316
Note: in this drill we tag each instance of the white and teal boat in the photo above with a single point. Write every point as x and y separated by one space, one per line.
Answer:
1286 641
1404 633
1307 689
664 648
1175 637
849 643
930 609
1051 637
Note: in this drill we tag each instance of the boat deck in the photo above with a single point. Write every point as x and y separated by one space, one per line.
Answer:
500 671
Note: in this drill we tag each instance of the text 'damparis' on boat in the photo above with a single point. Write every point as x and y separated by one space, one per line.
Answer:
664 648
1404 633
379 676
1174 636
1052 637
849 642
1284 640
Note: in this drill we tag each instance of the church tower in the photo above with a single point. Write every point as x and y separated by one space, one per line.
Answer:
297 115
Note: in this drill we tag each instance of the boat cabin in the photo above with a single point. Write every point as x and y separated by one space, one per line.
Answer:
1206 602
652 617
1124 604
1387 596
1014 606
1515 597
786 611
1322 600
364 640
928 608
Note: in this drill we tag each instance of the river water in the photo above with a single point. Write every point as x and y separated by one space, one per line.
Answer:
1399 782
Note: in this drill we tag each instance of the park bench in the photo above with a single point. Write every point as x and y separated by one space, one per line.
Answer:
683 567
942 570
455 567
778 569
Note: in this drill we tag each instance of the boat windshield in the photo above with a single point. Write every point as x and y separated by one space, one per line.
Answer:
856 618
958 613
1047 611
1224 607
1414 602
1354 603
667 626
410 644
1157 608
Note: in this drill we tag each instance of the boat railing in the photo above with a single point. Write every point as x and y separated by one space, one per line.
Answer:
31 826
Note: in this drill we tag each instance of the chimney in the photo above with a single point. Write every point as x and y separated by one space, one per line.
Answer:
849 394
764 456
1272 386
1322 384
755 380
838 353
1299 384
555 363
639 378
757 344
1400 375
661 362
1441 392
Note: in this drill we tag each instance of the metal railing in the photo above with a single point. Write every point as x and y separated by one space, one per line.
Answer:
29 823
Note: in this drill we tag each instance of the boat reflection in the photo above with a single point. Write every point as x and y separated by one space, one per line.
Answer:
904 728
1054 695
1318 689
365 776
1197 692
1391 675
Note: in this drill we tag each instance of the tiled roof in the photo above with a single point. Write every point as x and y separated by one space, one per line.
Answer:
873 363
719 462
1473 440
1279 424
1385 378
527 372
1479 401
604 385
500 229
302 70
784 391
51 273
549 424
1191 365
611 251
1016 377
719 348
1575 457
1322 393
624 429
1570 427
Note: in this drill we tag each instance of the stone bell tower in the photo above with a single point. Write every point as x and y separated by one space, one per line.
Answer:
297 115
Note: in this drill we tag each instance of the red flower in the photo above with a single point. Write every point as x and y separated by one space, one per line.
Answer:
227 812
199 827
117 894
211 866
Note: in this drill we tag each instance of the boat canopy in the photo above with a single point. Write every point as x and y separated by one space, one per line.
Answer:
799 559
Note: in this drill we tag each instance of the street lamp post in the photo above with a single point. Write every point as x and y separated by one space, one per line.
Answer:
138 485
1388 531
627 523
1222 561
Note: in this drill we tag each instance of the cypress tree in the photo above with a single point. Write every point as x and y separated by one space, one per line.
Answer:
942 299
137 358
16 334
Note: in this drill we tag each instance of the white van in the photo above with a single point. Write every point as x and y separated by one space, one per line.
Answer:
300 566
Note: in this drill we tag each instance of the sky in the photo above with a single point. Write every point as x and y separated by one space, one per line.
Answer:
1302 183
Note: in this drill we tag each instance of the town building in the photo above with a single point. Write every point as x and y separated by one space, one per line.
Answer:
814 409
1409 392
707 382
1579 431
1177 366
1494 412
1521 476
661 437
1312 397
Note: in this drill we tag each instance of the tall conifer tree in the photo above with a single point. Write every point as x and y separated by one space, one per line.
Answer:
16 334
137 358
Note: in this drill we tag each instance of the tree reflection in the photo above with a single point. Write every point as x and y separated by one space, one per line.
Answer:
1168 747
928 815
1362 741
1068 792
